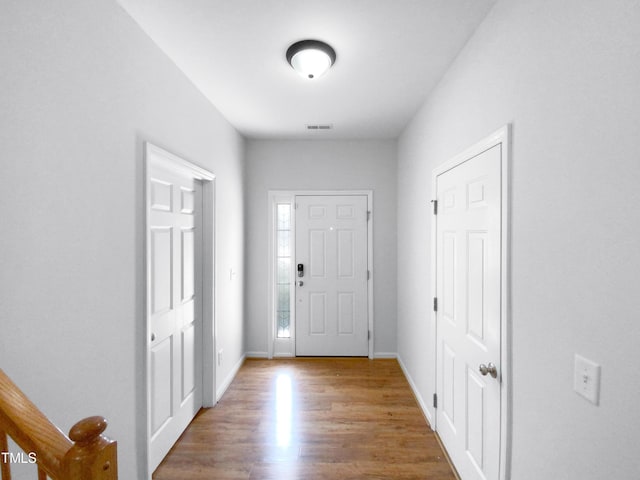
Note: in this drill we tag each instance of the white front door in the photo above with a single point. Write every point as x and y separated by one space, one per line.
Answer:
331 275
468 313
174 305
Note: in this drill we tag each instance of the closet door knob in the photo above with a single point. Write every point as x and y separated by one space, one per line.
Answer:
490 369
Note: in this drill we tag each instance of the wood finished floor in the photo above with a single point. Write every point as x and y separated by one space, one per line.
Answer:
328 418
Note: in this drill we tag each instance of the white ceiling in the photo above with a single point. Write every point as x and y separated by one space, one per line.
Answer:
390 54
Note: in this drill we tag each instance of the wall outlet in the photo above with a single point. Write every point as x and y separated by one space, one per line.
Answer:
586 379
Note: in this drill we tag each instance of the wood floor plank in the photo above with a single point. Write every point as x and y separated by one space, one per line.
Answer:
310 418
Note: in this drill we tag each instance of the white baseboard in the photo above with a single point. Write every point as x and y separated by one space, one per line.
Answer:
416 393
287 355
229 379
256 355
385 355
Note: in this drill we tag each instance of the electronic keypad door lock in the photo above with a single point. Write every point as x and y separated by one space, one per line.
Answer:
300 270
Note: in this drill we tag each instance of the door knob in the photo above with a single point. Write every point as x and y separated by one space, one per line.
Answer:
300 283
490 369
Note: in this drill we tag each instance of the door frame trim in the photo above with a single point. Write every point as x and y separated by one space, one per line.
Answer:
501 137
158 155
271 195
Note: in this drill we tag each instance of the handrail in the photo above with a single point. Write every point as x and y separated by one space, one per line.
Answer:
85 455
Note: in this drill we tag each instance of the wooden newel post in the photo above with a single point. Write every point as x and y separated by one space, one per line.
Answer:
92 456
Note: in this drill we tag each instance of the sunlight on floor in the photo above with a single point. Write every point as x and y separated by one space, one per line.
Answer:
284 405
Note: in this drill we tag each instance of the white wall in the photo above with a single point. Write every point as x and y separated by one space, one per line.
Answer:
566 75
321 165
81 88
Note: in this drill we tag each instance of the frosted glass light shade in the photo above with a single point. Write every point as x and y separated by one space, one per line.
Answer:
311 63
311 58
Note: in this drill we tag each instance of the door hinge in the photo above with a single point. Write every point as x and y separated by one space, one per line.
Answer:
435 206
369 335
368 215
435 304
295 206
435 400
368 274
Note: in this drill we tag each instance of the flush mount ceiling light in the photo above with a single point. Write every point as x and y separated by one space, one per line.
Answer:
311 58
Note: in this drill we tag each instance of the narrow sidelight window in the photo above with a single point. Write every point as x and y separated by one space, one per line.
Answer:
283 270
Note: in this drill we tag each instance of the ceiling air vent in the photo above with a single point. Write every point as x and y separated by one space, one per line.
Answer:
325 126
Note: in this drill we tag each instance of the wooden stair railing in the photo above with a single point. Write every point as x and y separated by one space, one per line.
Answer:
85 454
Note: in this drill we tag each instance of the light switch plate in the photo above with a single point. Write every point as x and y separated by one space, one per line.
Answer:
586 379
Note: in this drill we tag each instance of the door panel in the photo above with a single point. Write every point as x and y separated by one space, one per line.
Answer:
477 279
162 406
448 385
332 303
175 307
161 265
188 267
188 361
345 254
317 254
346 313
468 285
318 313
475 418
